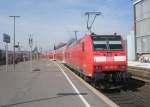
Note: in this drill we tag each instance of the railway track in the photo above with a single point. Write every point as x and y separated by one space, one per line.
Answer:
135 94
137 91
143 73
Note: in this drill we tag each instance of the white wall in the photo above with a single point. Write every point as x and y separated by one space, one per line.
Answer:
131 46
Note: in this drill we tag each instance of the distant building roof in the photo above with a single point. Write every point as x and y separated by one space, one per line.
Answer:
136 1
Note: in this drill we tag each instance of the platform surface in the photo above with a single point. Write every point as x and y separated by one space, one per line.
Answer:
45 86
139 64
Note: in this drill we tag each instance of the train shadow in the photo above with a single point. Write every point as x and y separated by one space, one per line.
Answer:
131 85
109 91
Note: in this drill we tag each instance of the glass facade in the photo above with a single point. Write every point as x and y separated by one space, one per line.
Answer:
142 18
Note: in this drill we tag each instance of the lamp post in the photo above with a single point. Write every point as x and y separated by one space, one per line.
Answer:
30 45
14 17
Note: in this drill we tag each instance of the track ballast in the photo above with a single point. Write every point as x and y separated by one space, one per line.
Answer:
135 94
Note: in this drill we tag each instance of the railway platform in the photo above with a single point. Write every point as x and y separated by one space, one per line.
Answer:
49 84
139 64
139 69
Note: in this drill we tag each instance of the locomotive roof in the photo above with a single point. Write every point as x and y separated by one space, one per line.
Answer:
60 45
72 40
106 36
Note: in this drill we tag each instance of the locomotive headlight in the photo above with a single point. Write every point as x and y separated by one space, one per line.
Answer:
100 58
119 58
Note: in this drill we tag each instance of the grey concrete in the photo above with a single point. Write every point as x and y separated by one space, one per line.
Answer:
44 87
92 99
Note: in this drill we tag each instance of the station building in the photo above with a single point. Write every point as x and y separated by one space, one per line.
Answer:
142 26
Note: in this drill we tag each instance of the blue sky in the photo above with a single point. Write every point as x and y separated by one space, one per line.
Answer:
53 21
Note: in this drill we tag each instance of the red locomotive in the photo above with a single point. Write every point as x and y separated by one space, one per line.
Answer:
98 58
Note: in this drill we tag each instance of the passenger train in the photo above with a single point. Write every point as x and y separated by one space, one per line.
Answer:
101 59
19 56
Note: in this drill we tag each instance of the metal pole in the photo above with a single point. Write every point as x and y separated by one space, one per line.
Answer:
36 46
18 46
6 57
135 39
76 34
14 57
30 44
37 54
31 58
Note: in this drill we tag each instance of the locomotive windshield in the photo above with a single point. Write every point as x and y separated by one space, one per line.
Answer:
107 43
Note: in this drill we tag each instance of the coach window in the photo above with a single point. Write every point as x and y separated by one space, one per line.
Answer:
83 46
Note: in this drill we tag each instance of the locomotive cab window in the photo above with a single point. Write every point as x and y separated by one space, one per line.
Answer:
99 45
107 42
115 45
